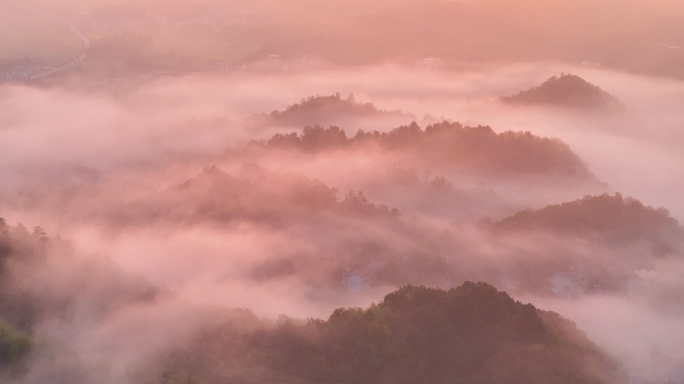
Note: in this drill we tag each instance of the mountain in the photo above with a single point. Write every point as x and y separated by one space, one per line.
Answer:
567 91
469 334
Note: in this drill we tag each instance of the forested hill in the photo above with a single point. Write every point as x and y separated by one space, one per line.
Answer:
250 195
610 217
452 145
469 334
568 91
327 110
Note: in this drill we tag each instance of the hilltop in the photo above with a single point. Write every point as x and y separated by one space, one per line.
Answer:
609 218
329 109
568 91
471 334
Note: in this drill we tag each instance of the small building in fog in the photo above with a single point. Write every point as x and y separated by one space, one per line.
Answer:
360 279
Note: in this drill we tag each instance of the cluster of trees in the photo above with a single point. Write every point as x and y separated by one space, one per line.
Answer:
30 293
566 91
609 228
611 218
18 242
452 145
469 334
329 104
312 138
359 233
15 344
256 194
323 109
250 194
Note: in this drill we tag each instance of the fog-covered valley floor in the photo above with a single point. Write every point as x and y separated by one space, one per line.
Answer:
137 214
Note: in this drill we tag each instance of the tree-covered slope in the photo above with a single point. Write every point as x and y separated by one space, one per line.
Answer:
329 109
453 146
567 91
611 218
469 334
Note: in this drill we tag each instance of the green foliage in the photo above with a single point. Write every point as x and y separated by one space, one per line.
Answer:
14 345
469 334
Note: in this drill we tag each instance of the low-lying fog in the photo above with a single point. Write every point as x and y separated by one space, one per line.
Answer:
124 172
146 123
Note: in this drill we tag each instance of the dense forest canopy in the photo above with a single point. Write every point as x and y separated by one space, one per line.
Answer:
470 334
454 146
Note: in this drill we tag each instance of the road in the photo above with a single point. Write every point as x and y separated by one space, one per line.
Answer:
81 57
